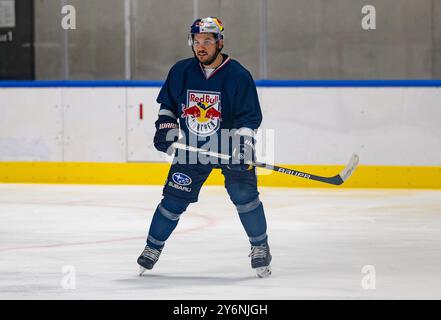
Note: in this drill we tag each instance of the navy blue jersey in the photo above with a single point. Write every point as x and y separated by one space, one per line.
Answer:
227 99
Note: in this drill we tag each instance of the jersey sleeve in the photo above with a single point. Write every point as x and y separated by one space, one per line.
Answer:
166 97
247 112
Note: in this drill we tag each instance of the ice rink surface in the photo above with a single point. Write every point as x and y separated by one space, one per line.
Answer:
82 242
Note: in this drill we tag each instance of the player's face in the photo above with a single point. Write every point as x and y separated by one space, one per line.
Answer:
204 46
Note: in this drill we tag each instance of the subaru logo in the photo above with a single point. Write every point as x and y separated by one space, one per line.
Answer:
181 179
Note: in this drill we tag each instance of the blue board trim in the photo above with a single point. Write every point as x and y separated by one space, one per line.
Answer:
79 84
348 83
259 83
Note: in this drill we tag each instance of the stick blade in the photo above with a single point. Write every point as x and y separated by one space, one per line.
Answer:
350 168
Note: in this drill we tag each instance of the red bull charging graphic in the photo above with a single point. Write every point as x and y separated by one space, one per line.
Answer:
202 112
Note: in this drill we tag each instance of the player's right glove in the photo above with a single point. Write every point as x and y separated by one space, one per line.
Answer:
243 150
167 132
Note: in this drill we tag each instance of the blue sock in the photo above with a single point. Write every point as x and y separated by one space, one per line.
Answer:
165 220
254 223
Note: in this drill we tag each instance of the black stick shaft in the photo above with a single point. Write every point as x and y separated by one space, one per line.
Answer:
336 180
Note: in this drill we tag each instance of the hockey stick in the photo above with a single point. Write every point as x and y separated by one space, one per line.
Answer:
335 180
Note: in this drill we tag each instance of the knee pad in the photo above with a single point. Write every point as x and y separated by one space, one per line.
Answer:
171 208
244 197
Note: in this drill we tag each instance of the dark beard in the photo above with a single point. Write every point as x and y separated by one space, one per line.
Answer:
210 60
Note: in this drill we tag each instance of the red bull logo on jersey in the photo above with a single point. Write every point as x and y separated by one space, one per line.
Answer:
202 112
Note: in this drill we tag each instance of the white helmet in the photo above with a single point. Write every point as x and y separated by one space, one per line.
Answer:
206 25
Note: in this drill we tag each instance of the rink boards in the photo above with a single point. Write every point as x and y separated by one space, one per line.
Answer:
92 134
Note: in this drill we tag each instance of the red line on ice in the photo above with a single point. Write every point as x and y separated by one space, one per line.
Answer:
209 222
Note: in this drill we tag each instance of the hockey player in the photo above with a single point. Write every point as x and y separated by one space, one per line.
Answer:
202 96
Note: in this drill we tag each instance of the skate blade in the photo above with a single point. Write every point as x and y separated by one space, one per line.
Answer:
141 271
263 272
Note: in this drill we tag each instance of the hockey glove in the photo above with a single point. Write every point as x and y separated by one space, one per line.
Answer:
166 134
243 150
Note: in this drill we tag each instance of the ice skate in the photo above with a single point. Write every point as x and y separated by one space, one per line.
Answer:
261 259
263 272
148 258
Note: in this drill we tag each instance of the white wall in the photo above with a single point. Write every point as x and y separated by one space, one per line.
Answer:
31 125
141 131
385 126
95 124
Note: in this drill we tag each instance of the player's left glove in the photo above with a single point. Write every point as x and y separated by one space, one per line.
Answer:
243 150
167 132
